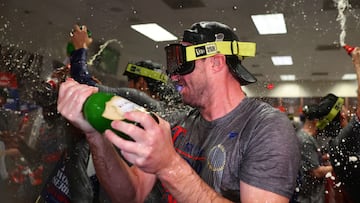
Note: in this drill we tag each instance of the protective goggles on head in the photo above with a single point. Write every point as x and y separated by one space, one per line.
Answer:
321 124
145 72
180 59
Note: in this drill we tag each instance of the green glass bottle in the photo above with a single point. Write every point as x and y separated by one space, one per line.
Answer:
100 109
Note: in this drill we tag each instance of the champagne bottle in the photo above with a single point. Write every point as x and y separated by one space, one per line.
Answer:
100 109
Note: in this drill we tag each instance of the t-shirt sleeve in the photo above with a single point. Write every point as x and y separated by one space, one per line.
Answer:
272 156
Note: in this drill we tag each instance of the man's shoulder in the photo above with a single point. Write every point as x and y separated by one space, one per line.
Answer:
303 136
260 108
264 116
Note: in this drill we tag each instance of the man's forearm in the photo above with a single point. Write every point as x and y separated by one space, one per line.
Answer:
79 70
321 171
185 185
113 173
358 98
357 71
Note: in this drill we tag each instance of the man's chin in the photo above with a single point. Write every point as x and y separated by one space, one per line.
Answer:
187 101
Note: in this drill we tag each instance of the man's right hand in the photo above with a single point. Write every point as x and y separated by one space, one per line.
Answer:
80 37
72 96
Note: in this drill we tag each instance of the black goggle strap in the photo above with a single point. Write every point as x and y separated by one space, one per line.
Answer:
142 71
321 124
241 49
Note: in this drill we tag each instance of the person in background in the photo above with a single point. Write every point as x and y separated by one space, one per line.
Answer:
62 148
333 117
9 120
10 155
5 191
146 76
311 188
344 146
229 148
148 85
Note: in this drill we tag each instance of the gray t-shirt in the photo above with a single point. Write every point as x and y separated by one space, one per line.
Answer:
254 143
311 189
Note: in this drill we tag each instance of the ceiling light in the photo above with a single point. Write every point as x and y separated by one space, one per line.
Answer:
282 60
287 77
154 32
270 23
349 76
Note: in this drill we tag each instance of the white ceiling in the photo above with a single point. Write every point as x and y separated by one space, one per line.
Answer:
42 26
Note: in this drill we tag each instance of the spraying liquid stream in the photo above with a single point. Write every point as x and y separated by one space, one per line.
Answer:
102 47
341 6
172 98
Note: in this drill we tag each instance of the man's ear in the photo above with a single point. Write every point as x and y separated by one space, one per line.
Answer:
219 62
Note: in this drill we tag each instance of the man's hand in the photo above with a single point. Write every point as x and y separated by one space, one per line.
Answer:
72 96
79 37
153 147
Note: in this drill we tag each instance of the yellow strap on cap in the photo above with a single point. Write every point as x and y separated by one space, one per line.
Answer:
199 51
321 124
142 71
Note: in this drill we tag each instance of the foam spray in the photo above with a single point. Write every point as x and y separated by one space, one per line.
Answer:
341 7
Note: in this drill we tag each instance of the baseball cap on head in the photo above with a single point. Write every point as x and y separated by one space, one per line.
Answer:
149 64
311 111
210 31
146 68
329 109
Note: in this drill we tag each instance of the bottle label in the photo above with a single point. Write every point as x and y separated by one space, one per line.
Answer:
117 106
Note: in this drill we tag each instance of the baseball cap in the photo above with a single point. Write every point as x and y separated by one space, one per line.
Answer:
329 108
311 111
146 68
210 31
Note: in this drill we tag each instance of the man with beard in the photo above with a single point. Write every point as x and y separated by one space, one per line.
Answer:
230 148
